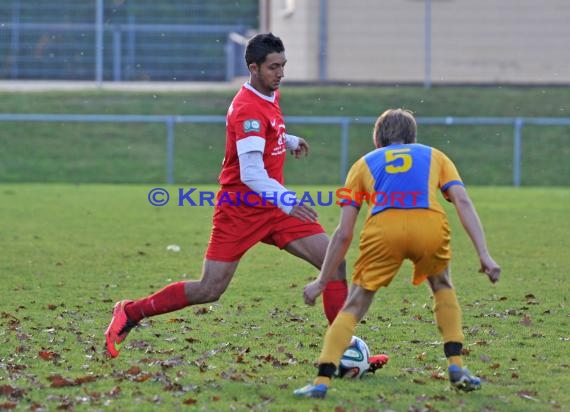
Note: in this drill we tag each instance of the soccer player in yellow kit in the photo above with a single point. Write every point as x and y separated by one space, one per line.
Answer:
399 181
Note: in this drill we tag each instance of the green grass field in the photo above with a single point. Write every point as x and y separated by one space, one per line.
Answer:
70 251
136 153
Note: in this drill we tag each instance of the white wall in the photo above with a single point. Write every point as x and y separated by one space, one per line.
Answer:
296 22
472 41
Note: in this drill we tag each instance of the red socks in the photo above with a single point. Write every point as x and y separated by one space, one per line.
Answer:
334 295
172 297
168 299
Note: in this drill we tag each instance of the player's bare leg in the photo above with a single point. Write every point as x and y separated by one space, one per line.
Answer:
216 276
313 250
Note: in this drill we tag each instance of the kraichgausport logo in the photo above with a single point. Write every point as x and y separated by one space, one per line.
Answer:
194 197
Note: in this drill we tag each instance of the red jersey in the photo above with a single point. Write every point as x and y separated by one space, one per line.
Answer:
254 122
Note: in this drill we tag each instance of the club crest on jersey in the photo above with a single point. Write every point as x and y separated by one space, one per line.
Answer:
251 126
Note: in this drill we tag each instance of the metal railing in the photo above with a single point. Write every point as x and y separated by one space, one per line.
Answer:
123 41
343 122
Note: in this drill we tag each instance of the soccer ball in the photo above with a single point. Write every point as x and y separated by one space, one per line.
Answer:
355 361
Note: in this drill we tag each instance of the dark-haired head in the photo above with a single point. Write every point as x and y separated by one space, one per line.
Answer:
260 45
394 126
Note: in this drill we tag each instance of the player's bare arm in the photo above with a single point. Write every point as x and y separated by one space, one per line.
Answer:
336 252
472 224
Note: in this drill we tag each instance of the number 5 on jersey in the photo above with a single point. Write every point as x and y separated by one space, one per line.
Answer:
398 161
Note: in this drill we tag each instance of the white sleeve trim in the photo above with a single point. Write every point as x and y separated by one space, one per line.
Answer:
291 141
253 174
250 144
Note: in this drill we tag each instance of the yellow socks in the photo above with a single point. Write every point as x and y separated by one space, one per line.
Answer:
337 339
455 360
448 318
322 379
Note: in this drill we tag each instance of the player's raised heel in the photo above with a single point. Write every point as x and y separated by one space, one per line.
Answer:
377 362
311 391
118 329
462 380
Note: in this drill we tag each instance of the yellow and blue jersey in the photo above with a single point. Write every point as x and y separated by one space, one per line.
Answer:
402 176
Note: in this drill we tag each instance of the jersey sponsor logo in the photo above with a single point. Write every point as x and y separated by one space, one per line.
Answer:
251 125
280 148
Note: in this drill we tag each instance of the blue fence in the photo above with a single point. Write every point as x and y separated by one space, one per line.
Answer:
122 40
344 123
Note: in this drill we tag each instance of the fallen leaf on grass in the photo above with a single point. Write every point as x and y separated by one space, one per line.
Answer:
441 376
232 375
15 369
48 355
526 320
20 349
529 296
176 320
12 392
190 401
58 381
85 379
173 387
169 363
201 311
115 392
13 322
133 370
422 356
142 378
240 358
37 407
201 364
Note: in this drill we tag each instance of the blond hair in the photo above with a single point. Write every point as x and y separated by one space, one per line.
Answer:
394 126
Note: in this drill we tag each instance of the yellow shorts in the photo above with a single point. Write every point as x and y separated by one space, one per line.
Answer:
393 235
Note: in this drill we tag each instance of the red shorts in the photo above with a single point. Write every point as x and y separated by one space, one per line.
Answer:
237 227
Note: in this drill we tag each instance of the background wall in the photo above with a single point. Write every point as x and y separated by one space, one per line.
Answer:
488 41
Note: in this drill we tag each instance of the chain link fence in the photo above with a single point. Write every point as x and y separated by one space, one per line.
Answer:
123 40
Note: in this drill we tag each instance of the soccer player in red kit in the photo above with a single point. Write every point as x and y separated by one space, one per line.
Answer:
252 205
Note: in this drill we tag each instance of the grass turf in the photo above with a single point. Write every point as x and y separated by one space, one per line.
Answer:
136 153
70 251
